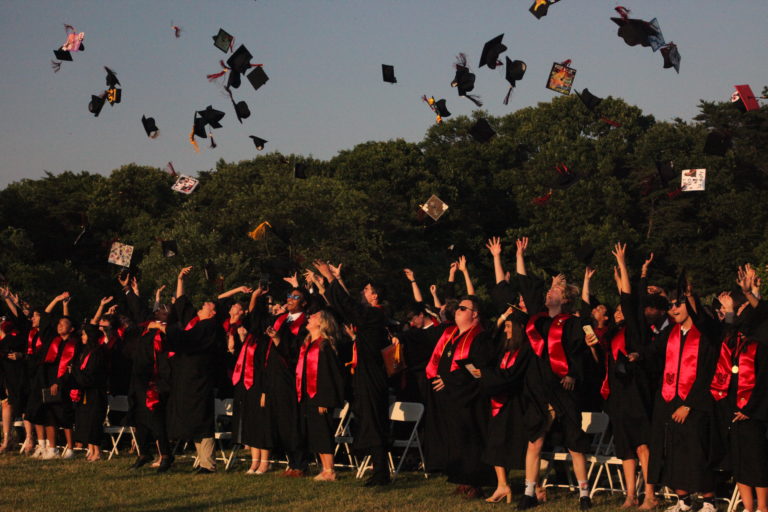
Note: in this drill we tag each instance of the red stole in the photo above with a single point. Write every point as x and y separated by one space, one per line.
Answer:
66 355
192 323
75 394
310 352
746 371
557 359
31 345
680 383
294 327
245 367
618 345
152 396
498 401
450 335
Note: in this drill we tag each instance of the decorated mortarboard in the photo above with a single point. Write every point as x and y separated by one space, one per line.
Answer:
591 102
635 31
565 178
257 77
185 184
434 207
169 248
96 104
513 71
73 43
693 180
491 51
120 254
114 95
717 143
744 98
300 171
561 77
464 80
150 127
438 107
388 73
111 80
540 8
481 131
223 41
258 142
671 56
211 116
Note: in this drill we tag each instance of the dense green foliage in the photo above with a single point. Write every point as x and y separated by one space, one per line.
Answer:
361 207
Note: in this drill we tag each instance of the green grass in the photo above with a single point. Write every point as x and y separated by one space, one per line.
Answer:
28 484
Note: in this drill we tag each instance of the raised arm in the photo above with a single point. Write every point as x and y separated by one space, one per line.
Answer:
585 291
618 252
56 300
494 247
11 302
522 245
100 311
235 291
180 281
746 281
467 279
435 297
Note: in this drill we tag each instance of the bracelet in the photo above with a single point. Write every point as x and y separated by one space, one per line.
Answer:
412 280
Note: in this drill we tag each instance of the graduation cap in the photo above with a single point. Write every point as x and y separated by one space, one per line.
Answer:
299 171
170 248
198 130
241 110
438 107
481 131
257 77
258 142
566 178
539 8
96 104
223 41
464 80
491 51
513 71
114 96
150 127
744 98
260 232
240 60
636 31
671 56
120 254
561 77
591 102
388 73
233 80
185 184
434 207
717 143
176 31
63 55
112 80
211 116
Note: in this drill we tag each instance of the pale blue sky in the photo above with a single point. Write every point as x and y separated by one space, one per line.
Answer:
324 58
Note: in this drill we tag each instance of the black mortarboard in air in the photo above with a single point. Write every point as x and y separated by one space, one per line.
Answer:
666 172
223 40
464 80
170 248
635 31
388 73
744 98
513 71
111 78
539 8
211 116
233 80
96 104
258 142
241 110
590 100
63 55
299 171
671 56
441 109
149 126
717 143
481 131
257 77
585 253
240 60
491 51
199 127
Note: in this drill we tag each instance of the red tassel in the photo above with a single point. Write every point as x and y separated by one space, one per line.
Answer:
543 199
169 168
509 93
214 76
623 12
68 27
673 194
610 122
257 65
566 63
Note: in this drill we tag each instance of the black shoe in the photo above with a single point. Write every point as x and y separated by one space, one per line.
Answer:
165 464
377 479
203 471
527 502
585 503
140 461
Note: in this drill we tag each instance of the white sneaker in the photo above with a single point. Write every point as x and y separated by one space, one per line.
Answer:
68 453
50 453
707 507
680 507
38 453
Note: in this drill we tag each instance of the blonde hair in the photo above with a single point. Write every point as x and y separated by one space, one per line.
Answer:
329 329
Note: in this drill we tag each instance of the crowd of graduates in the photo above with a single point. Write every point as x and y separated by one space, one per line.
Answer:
683 382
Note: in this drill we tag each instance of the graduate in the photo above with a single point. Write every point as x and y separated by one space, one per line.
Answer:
89 391
319 388
13 378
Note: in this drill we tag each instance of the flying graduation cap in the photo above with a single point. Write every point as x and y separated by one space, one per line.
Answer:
388 73
491 51
744 99
481 131
73 43
208 117
671 56
170 248
717 143
464 80
96 104
540 8
438 107
114 94
434 207
258 142
566 178
513 71
591 102
300 171
561 77
223 41
150 127
636 31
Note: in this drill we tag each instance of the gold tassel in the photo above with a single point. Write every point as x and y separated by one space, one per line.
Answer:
193 141
260 232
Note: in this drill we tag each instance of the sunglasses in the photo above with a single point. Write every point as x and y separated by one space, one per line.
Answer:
675 304
295 296
464 308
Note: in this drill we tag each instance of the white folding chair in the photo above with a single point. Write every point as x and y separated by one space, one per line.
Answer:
224 408
343 437
118 403
407 412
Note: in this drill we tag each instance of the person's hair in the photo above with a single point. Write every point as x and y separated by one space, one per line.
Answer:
570 294
113 320
329 328
376 287
415 309
518 335
657 301
475 303
93 334
448 313
304 294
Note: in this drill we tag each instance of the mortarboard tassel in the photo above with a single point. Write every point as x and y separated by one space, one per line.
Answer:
543 199
213 142
56 66
214 76
474 99
260 232
611 122
623 11
170 170
509 93
461 60
674 193
193 141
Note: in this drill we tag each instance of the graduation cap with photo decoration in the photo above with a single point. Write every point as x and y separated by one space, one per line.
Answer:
169 248
561 77
744 99
491 51
434 207
671 56
482 131
150 127
388 73
717 143
120 254
223 41
185 184
693 180
438 107
591 102
638 32
73 43
540 8
464 80
513 71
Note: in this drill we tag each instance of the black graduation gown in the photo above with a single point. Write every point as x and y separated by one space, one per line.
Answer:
543 386
418 345
91 383
317 429
630 403
506 442
369 381
684 456
250 424
13 374
191 401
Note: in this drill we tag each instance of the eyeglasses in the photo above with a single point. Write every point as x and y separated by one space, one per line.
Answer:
675 305
294 296
464 308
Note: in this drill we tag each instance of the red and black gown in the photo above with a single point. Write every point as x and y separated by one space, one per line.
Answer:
249 420
318 383
89 394
684 456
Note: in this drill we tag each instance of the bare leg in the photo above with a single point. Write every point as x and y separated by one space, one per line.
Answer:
68 437
629 467
29 440
649 500
264 464
50 435
747 498
533 460
255 460
762 498
7 424
327 474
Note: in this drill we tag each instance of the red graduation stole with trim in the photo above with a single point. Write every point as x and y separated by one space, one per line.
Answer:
230 327
557 359
450 335
245 366
294 327
745 371
618 345
680 383
75 394
498 401
310 352
66 355
152 396
31 345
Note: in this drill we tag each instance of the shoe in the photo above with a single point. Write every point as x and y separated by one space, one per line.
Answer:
461 490
325 476
204 471
376 479
293 473
50 453
68 453
527 502
38 453
585 503
500 494
707 507
678 507
165 464
140 461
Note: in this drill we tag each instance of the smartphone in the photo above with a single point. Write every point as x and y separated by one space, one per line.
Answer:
589 330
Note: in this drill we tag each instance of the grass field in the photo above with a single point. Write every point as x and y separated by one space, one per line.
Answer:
28 484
